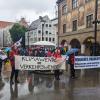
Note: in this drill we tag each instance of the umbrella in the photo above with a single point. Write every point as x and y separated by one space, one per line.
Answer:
44 43
7 49
73 50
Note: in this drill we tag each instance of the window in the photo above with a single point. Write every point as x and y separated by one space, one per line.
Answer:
64 9
42 25
89 20
49 25
42 38
39 31
39 39
46 32
49 39
53 39
35 39
75 25
46 25
74 4
46 39
64 28
87 1
49 33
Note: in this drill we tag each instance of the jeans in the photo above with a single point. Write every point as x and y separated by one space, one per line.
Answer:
14 72
72 70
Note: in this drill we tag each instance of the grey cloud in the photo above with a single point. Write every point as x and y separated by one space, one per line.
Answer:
31 9
36 5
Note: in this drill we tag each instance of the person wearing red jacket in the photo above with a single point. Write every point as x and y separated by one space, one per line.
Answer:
49 54
57 55
12 54
71 62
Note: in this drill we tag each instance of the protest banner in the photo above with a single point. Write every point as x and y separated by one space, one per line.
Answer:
39 63
87 62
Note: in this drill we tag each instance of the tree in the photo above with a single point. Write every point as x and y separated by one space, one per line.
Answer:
18 31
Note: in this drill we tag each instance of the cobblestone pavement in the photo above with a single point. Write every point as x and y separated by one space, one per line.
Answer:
45 87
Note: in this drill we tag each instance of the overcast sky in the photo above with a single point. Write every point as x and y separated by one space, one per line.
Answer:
13 10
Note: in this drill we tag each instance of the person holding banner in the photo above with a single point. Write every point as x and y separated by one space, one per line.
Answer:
71 62
12 53
57 55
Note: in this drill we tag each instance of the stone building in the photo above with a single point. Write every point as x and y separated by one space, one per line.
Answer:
5 38
5 26
42 29
75 24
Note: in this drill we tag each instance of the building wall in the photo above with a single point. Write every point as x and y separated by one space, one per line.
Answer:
35 35
5 38
1 38
84 9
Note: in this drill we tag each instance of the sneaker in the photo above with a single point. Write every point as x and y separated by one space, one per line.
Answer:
11 82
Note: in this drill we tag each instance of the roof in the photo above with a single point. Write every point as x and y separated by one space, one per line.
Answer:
59 1
4 24
54 19
23 22
34 25
44 43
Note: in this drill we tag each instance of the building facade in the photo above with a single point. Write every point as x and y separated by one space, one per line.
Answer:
75 24
5 26
5 38
41 29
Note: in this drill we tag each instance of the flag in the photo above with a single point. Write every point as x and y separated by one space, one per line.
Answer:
18 43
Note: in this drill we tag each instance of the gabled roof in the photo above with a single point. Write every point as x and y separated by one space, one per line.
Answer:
59 1
23 22
4 24
34 25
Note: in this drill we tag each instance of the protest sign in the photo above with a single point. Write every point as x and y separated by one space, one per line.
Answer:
2 55
39 63
85 62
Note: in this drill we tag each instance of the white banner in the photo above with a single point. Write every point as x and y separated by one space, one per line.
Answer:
85 62
39 63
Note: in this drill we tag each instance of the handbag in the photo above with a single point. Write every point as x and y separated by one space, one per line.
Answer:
7 66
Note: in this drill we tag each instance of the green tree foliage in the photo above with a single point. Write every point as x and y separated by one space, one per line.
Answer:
18 31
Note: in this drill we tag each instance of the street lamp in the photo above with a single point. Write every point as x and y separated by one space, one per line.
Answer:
28 36
42 20
95 22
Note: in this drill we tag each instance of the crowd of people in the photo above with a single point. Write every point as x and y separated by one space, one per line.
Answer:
37 52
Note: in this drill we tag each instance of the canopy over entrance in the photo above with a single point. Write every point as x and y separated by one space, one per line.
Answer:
44 43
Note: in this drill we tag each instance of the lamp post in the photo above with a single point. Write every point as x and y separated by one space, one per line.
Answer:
28 36
42 20
95 22
42 31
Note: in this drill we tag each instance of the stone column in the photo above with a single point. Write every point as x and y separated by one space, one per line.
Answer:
82 49
69 47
